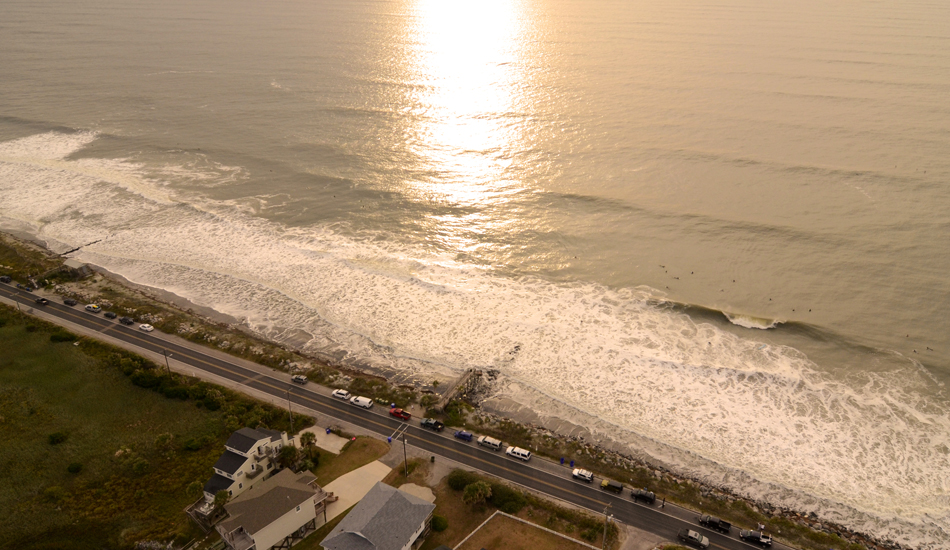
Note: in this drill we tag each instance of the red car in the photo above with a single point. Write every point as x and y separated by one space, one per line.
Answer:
400 414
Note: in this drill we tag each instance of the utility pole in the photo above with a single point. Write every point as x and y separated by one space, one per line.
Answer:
167 355
405 455
289 410
606 518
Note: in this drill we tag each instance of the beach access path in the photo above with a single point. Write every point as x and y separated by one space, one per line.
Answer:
545 477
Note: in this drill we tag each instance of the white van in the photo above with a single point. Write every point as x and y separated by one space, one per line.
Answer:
518 452
361 401
489 442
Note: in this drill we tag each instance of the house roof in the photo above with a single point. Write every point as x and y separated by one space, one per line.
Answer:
256 509
230 462
217 483
244 439
383 520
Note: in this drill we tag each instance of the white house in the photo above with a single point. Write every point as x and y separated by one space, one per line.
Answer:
276 513
250 456
385 519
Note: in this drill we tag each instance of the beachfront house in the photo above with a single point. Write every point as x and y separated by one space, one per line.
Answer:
275 514
385 519
250 457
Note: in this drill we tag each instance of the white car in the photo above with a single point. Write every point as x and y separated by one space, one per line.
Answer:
519 453
146 327
361 401
341 394
93 308
583 475
299 378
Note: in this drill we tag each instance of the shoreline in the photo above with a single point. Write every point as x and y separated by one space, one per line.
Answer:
491 410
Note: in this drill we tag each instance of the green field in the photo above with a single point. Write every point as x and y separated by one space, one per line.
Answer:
137 472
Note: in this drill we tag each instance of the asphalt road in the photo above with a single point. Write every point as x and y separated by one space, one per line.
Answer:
538 474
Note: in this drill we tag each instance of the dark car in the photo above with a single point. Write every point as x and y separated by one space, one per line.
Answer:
463 435
5 279
109 315
41 301
124 320
24 287
611 485
70 302
432 424
756 537
644 495
715 523
400 414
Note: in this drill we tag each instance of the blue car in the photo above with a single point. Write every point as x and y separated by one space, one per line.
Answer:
463 435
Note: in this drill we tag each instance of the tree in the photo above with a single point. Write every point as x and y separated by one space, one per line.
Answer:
287 456
308 440
220 499
476 494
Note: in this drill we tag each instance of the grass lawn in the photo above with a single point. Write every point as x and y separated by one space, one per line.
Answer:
355 454
462 519
503 532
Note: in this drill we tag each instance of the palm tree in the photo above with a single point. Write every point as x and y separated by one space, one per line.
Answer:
476 493
308 440
287 456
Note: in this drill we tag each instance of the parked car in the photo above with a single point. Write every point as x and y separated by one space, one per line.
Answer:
611 485
24 287
299 379
41 301
146 327
692 537
489 442
341 394
361 401
463 435
715 523
400 414
432 424
127 320
70 302
583 475
519 453
5 279
93 308
110 315
757 537
644 495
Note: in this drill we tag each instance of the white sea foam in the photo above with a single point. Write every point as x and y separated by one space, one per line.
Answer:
750 321
872 450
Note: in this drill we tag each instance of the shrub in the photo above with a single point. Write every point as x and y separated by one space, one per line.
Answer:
211 403
196 443
31 328
507 499
145 379
140 466
439 524
459 479
590 534
74 468
54 494
61 336
57 438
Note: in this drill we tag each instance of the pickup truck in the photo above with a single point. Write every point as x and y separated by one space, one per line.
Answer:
432 424
756 537
694 538
715 523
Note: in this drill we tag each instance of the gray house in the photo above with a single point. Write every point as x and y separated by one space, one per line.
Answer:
386 519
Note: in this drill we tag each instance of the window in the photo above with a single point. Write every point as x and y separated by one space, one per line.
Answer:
298 508
253 467
230 494
270 465
240 485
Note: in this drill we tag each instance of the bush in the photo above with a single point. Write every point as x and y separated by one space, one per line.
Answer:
140 466
439 524
211 403
590 534
57 438
54 494
61 336
507 499
31 328
145 379
74 468
459 479
196 444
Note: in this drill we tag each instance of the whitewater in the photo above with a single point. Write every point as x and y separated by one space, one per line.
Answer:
869 449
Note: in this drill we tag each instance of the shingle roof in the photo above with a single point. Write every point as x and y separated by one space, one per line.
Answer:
383 520
255 510
217 483
230 462
244 439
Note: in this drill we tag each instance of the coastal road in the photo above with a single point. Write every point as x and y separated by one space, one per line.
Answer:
539 475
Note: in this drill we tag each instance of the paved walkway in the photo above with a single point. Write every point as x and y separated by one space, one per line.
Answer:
352 487
331 442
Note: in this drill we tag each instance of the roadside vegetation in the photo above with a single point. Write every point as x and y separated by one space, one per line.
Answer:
104 449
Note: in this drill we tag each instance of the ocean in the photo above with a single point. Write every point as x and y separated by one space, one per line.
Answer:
713 233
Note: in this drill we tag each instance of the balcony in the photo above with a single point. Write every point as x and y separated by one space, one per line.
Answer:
238 540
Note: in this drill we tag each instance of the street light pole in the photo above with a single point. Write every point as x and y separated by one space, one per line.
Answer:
289 410
604 544
167 368
405 455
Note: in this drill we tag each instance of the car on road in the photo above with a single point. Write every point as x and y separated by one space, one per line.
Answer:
299 379
715 523
400 414
642 494
583 475
519 453
24 287
41 301
5 279
146 327
611 485
110 315
70 302
692 537
93 308
432 424
341 394
127 320
756 537
489 442
361 401
463 435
